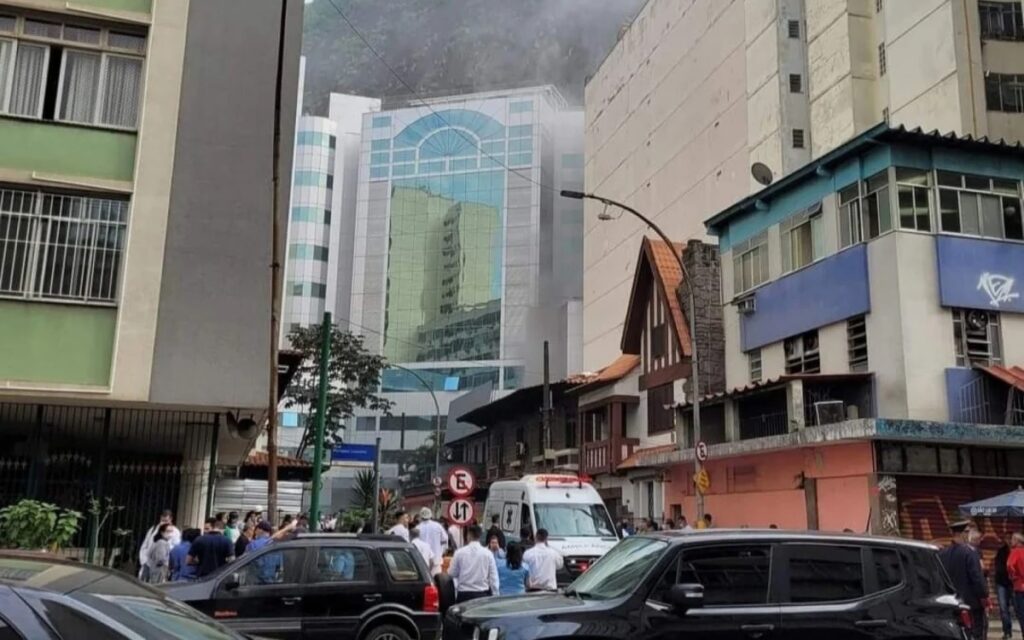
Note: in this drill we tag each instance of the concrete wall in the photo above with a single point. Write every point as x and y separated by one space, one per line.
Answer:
212 338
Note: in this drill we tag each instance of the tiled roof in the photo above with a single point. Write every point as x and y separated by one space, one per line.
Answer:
656 260
641 457
260 459
613 372
768 383
1013 376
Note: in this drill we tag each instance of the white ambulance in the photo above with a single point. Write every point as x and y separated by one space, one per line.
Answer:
578 524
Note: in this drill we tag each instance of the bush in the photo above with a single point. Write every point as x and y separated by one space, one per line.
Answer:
36 526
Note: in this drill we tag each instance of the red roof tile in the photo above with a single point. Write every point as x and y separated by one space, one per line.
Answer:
656 261
1013 376
260 459
613 372
641 456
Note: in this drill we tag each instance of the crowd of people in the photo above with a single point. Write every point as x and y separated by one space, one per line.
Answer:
963 562
170 554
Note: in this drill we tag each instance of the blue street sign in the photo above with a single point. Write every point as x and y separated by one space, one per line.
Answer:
354 453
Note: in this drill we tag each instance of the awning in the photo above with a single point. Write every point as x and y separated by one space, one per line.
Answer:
1012 376
1007 505
645 457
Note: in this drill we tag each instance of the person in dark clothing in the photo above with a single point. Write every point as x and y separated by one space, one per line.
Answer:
526 537
963 564
1004 587
211 550
496 532
244 538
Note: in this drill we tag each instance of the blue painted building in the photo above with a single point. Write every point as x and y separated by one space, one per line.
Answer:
874 331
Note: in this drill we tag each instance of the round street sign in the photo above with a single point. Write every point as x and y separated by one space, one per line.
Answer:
460 511
701 451
461 482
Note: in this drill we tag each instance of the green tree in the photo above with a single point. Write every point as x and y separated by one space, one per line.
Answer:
354 375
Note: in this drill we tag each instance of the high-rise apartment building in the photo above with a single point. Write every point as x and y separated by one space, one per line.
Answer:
136 158
465 259
697 92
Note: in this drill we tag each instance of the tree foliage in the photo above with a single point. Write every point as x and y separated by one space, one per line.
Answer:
34 525
364 488
354 375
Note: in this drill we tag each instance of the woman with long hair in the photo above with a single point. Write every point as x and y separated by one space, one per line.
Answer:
513 572
158 560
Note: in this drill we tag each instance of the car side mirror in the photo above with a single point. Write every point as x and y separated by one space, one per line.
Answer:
233 582
684 597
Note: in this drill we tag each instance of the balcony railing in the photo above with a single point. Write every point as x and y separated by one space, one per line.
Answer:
769 424
606 455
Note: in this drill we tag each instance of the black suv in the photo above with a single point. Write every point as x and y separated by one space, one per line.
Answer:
323 586
729 585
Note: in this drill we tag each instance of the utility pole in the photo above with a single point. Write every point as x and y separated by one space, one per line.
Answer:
376 483
692 315
546 416
321 423
275 274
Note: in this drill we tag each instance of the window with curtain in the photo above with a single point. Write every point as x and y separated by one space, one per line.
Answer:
71 73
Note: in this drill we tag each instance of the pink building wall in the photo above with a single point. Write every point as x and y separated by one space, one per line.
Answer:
768 488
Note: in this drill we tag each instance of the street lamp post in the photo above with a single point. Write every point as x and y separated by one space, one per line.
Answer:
437 420
691 316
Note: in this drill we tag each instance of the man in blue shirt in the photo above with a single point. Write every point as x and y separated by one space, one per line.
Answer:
268 567
178 562
212 550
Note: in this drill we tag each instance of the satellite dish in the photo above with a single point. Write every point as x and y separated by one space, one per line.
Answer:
762 173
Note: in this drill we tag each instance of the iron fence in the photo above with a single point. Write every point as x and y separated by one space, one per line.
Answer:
118 467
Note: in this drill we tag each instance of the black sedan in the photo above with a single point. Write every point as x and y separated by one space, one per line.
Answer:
47 598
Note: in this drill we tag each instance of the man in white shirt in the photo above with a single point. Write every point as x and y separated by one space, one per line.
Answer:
473 569
432 533
433 562
401 528
544 563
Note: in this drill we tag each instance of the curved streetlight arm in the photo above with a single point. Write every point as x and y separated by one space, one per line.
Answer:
694 360
437 413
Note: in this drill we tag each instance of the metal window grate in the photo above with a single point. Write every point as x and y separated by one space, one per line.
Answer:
60 247
881 59
798 138
802 353
796 83
857 343
794 28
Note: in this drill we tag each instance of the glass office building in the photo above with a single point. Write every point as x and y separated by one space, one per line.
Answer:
463 264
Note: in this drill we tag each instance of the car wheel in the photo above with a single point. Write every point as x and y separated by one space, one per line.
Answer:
445 591
387 632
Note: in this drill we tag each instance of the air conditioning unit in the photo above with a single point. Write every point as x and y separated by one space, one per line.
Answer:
829 412
746 306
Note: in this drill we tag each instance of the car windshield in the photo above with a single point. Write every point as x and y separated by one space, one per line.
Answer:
571 520
620 570
158 618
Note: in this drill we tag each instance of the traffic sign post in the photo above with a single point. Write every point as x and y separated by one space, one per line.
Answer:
461 482
702 481
701 451
461 511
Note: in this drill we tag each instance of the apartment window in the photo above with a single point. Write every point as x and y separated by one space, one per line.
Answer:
868 218
794 28
849 216
1001 20
754 362
857 343
976 338
802 239
798 138
796 84
802 353
659 342
881 59
660 409
878 6
913 195
330 181
70 73
980 206
1004 92
60 247
750 264
332 142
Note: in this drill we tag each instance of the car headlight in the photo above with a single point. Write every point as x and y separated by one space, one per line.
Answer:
492 634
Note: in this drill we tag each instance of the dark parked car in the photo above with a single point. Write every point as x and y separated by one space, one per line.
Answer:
46 598
729 585
323 586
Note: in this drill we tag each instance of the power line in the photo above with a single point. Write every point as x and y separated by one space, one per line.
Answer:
424 103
